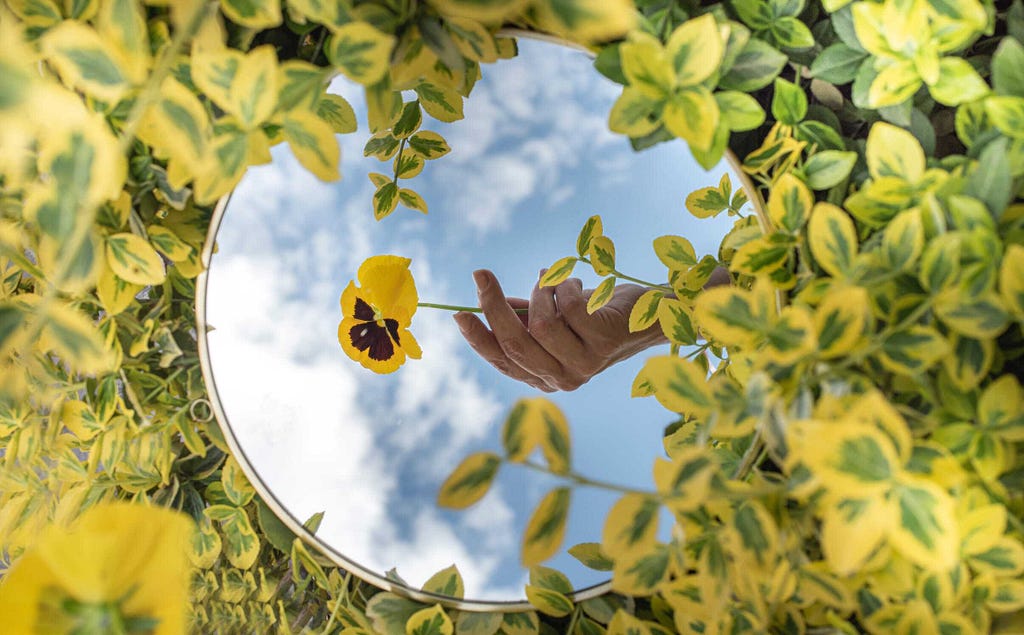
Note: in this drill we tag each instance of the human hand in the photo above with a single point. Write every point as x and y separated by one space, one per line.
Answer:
556 345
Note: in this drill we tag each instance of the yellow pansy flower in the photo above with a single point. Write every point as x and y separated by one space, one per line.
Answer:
121 568
376 316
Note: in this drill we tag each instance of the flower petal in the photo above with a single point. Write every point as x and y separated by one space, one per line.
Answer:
388 285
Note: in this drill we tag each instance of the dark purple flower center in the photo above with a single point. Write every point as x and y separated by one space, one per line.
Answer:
372 337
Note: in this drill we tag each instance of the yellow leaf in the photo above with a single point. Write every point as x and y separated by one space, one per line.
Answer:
679 385
642 573
851 530
546 529
177 124
548 601
832 239
486 11
696 49
634 114
134 260
80 419
893 151
852 459
733 316
692 115
558 272
586 21
925 531
447 581
473 40
73 337
685 481
123 23
115 294
168 243
469 481
675 252
255 14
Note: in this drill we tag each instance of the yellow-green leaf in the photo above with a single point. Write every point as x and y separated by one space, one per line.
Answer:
679 385
546 529
525 623
167 242
86 61
428 144
313 143
832 238
789 205
590 230
547 601
692 115
1011 280
634 113
840 320
913 350
360 51
926 531
695 49
646 65
241 543
676 321
255 14
601 295
447 582
473 623
706 202
893 151
640 573
644 313
586 20
440 102
602 255
337 112
412 200
675 252
851 530
236 485
623 623
469 481
631 525
134 260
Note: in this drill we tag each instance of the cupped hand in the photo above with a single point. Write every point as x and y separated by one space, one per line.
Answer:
556 345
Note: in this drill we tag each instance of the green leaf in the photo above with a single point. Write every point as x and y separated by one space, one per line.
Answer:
789 102
829 168
634 113
739 111
473 623
271 528
390 613
903 240
755 67
990 181
12 318
382 145
756 14
546 529
1008 68
789 32
469 481
838 63
525 623
975 316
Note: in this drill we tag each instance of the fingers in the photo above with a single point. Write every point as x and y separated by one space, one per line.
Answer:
548 327
572 304
482 340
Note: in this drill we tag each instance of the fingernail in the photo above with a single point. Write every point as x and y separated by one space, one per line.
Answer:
482 279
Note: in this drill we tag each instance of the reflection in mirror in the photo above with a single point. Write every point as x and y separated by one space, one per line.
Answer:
530 162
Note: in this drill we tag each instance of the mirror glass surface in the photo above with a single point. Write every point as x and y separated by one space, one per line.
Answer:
532 160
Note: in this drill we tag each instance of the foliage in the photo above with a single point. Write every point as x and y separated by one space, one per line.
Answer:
849 431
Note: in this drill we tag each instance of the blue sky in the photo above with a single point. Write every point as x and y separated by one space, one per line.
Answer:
530 163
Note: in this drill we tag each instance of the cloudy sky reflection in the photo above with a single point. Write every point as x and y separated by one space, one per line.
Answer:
531 161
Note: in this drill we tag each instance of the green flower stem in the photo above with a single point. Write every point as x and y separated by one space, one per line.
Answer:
457 308
583 481
621 276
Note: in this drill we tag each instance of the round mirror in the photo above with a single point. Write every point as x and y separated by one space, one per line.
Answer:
315 432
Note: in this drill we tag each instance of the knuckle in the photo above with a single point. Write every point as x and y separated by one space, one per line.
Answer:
513 348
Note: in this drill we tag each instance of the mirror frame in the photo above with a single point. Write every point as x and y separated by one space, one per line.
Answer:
285 516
